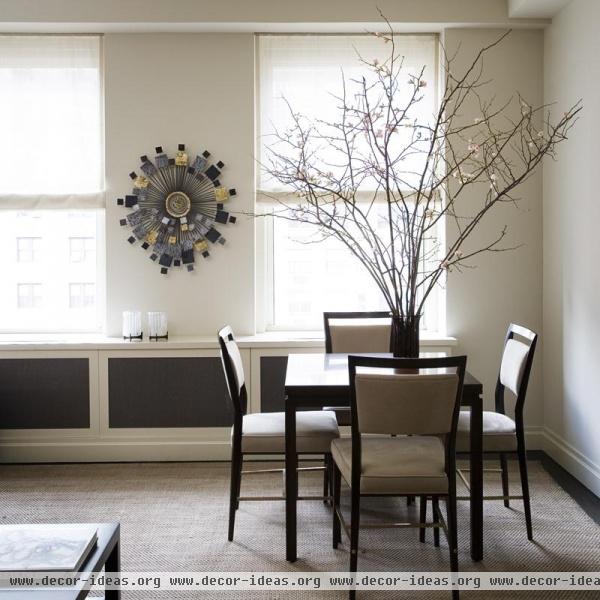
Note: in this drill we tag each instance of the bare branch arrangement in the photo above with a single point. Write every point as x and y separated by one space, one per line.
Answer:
383 150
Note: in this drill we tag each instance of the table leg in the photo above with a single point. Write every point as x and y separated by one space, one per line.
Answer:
291 480
476 478
113 565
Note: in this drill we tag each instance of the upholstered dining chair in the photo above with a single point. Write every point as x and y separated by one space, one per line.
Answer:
417 400
358 332
264 433
501 434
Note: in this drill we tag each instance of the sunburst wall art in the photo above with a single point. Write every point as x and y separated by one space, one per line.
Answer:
175 207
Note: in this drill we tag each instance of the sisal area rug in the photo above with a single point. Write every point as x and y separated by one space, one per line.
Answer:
174 518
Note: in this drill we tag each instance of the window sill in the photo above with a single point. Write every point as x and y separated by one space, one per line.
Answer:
269 339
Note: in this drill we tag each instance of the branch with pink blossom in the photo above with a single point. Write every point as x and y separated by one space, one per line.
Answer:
382 177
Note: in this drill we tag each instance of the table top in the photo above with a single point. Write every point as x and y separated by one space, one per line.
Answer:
108 536
328 373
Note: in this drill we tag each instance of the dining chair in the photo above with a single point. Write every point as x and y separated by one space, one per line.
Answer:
501 434
347 332
359 332
393 397
264 433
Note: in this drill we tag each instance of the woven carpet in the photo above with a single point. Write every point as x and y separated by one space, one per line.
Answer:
174 518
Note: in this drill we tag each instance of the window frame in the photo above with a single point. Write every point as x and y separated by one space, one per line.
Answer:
266 200
31 285
34 251
265 284
85 253
94 201
82 286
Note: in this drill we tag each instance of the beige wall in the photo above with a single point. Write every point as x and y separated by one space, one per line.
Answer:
171 101
165 89
572 247
159 100
152 99
198 88
505 286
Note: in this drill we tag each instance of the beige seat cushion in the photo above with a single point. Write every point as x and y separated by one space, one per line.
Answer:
395 465
499 432
265 432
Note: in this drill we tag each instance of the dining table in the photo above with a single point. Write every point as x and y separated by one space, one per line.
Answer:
315 380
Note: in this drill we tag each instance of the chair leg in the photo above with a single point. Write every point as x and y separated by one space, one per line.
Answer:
240 466
452 535
331 479
354 528
422 517
436 512
504 468
525 485
234 491
337 528
326 478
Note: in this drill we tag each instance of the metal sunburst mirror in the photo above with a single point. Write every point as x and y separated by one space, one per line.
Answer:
175 206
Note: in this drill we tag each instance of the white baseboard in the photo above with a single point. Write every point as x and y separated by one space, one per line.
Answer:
114 451
79 451
575 462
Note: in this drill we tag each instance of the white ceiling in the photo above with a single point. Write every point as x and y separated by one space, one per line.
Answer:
534 9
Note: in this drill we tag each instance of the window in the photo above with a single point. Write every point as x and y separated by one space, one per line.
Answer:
44 253
311 278
28 249
82 295
29 295
300 277
82 249
51 189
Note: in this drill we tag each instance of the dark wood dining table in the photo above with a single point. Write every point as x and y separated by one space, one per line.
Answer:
313 381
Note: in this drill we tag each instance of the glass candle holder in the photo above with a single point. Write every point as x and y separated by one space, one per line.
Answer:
132 325
157 326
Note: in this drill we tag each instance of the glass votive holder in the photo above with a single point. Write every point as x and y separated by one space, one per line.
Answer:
157 326
132 325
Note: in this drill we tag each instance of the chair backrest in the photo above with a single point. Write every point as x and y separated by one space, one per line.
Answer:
394 395
234 371
347 332
515 367
406 396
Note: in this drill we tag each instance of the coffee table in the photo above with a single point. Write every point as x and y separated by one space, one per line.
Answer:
104 555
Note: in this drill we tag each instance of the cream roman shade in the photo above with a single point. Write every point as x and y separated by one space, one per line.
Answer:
51 153
306 72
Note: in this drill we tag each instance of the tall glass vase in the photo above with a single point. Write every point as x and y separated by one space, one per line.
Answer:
404 339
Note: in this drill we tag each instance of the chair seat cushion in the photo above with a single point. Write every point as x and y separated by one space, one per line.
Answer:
395 465
499 432
343 414
265 432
